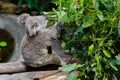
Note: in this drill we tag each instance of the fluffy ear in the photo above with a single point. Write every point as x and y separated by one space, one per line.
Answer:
42 21
21 19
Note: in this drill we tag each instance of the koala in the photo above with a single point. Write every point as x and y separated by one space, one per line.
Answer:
36 45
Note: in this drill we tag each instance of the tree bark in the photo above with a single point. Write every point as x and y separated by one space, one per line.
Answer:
21 66
13 67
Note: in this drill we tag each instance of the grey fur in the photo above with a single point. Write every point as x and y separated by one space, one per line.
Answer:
37 42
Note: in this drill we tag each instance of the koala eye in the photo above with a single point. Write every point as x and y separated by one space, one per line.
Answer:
35 25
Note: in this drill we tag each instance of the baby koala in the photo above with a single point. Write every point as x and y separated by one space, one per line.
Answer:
36 44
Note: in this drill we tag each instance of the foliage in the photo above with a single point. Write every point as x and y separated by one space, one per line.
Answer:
91 33
38 5
6 0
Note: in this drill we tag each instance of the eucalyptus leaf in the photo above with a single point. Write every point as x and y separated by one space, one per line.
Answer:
79 30
105 78
113 66
20 3
64 17
68 68
115 2
42 7
29 3
100 15
90 49
95 37
88 21
114 77
119 28
117 59
71 76
96 4
107 54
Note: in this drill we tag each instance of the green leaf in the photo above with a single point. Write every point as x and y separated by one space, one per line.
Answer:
110 8
29 3
68 68
90 49
35 5
20 3
3 44
88 21
117 59
64 17
82 3
110 42
71 76
42 7
113 66
79 30
100 15
115 2
114 77
119 28
93 64
96 4
118 62
105 78
107 54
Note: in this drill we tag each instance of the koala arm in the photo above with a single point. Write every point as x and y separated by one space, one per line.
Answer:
55 30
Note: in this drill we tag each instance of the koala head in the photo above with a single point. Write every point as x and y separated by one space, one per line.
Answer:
33 23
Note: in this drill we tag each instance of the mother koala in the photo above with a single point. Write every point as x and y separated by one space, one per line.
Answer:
36 44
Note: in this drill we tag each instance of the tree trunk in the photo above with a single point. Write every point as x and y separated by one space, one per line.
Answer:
13 67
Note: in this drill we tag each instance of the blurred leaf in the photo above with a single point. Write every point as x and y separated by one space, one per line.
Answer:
29 3
90 49
96 4
110 42
42 7
117 59
105 78
115 2
114 77
79 30
93 64
107 54
113 66
71 76
68 68
34 5
110 8
119 28
82 3
36 1
64 17
87 21
20 2
100 15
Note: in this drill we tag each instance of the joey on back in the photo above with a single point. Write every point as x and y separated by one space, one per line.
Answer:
36 44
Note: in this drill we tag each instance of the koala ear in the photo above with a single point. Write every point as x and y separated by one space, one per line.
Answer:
22 18
42 21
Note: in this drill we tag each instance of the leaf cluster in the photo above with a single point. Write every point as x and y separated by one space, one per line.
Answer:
91 32
38 5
